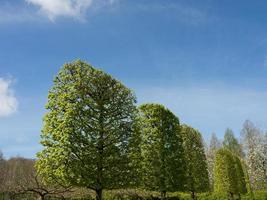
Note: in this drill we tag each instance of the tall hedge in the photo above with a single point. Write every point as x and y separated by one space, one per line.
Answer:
197 179
162 150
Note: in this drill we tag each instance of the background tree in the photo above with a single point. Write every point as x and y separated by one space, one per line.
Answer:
214 145
162 150
195 159
260 156
87 130
231 143
255 158
22 180
3 169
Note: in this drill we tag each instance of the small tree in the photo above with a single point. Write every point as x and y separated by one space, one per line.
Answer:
88 130
196 163
162 150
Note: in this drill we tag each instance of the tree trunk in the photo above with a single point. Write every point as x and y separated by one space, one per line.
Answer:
42 197
231 196
163 194
193 195
99 194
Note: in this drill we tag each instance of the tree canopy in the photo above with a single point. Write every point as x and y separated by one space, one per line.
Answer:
87 130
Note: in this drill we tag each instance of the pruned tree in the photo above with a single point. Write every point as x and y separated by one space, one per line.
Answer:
230 174
241 179
162 149
88 130
225 175
197 179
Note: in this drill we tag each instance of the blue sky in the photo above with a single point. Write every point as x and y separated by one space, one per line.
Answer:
205 60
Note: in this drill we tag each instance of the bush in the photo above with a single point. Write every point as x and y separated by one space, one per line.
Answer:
259 195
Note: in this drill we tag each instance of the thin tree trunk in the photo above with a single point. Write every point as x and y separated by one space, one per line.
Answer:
99 193
41 197
163 194
193 195
231 196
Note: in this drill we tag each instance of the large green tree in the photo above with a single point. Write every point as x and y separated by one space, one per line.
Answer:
162 150
88 130
196 164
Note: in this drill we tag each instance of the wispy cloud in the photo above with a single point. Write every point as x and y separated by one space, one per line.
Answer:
214 108
182 12
10 13
8 102
66 8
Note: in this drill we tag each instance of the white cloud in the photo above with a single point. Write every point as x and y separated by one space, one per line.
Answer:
66 8
8 102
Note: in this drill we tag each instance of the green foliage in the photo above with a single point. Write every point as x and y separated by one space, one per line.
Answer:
196 163
88 130
162 150
248 184
242 188
225 175
230 177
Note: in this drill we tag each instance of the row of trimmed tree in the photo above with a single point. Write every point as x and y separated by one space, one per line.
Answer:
95 137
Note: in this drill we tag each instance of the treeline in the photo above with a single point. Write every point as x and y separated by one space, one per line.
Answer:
19 180
95 137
